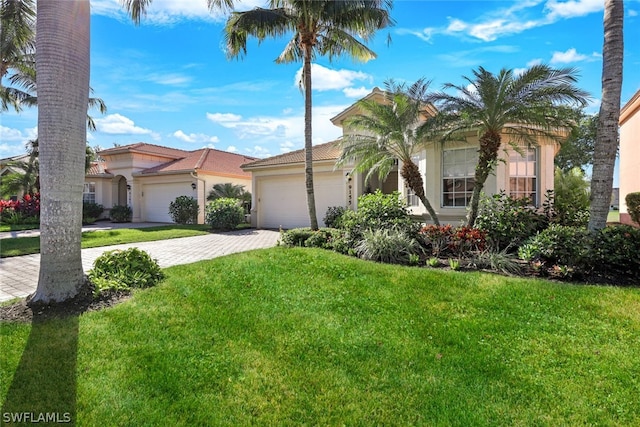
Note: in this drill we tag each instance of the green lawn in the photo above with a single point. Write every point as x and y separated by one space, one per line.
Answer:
18 227
93 239
309 337
613 216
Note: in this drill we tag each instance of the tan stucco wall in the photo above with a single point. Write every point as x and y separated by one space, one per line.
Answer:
430 164
629 153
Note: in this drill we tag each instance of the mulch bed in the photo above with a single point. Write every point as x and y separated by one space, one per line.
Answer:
23 311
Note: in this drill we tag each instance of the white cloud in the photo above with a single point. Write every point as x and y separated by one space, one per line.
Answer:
285 130
287 146
117 124
195 137
224 119
169 12
352 92
572 55
632 13
171 79
232 149
571 9
327 79
511 20
9 134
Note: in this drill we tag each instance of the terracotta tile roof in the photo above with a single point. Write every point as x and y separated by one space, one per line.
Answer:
143 147
327 151
205 160
97 168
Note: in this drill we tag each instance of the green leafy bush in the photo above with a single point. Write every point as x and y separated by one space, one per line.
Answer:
324 238
558 245
124 269
224 213
633 206
184 210
333 215
120 213
508 221
616 249
391 246
91 212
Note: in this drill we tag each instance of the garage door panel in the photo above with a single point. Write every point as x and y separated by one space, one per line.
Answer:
282 201
157 197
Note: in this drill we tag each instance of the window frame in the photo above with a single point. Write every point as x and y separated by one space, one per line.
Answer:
470 163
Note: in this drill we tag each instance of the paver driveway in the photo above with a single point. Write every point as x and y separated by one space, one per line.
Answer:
19 275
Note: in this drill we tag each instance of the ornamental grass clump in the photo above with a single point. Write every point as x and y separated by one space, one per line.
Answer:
390 246
124 270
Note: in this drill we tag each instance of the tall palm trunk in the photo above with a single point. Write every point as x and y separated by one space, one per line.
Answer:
488 155
308 146
412 176
62 65
606 146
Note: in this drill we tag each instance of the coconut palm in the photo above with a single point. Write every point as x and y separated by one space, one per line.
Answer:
606 146
521 106
391 130
318 27
62 76
25 179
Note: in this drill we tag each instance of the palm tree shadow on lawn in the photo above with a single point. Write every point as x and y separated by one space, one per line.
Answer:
44 384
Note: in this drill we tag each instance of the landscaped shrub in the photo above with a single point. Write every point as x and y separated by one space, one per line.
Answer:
224 213
502 261
616 250
124 269
391 246
570 198
508 221
333 215
120 213
91 212
26 210
324 238
184 210
558 245
29 206
449 241
633 206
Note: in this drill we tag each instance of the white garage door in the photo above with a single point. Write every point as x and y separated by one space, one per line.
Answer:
282 201
157 197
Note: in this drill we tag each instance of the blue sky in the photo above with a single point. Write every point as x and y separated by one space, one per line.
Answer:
168 81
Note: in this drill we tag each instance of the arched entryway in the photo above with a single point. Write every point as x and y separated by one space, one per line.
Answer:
120 191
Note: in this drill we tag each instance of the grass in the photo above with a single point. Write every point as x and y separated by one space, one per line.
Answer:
309 337
18 227
93 239
613 216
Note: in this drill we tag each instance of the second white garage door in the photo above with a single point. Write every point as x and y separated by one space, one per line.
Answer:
282 200
157 197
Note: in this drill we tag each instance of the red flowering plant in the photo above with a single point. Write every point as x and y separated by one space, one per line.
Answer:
30 205
447 241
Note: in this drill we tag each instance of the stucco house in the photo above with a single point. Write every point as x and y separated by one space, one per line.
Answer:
279 196
629 153
6 168
149 177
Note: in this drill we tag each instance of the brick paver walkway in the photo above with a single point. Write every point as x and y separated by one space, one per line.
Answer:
19 275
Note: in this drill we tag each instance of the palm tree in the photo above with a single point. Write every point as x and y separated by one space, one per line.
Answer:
62 76
521 106
26 178
228 190
392 130
319 27
606 146
17 45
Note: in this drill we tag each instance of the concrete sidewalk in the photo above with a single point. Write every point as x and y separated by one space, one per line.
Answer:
19 275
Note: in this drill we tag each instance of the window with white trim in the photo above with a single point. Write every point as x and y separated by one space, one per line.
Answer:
412 198
458 176
89 192
523 174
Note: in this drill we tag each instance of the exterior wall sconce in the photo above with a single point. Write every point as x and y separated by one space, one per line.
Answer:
193 185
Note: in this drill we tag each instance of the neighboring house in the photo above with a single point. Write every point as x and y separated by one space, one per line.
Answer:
6 169
149 177
279 196
629 153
